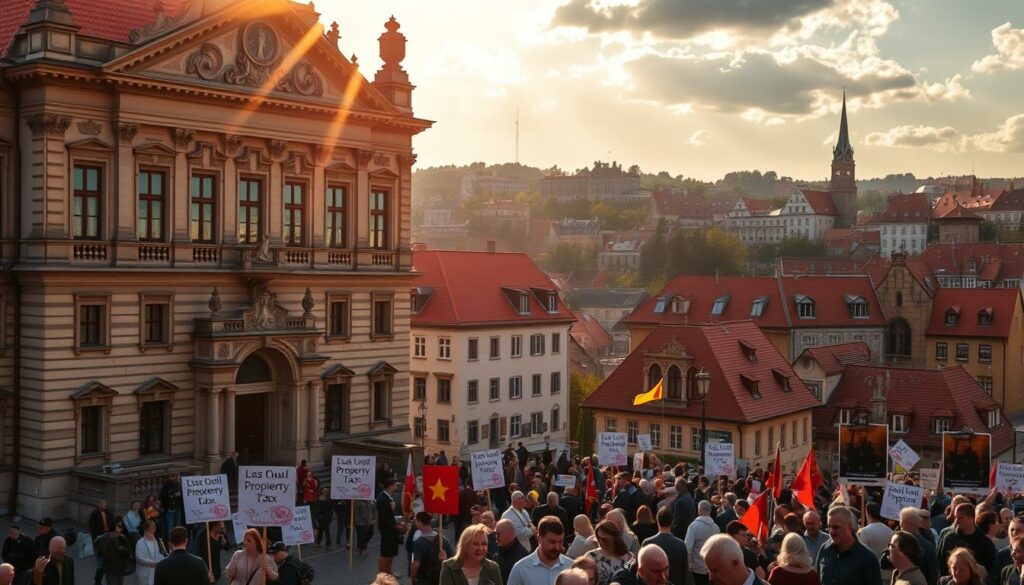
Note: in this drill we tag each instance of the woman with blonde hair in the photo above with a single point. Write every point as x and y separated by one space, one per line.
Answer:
583 542
619 518
794 563
247 565
963 569
470 565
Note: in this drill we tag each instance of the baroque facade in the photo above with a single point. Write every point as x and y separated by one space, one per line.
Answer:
205 234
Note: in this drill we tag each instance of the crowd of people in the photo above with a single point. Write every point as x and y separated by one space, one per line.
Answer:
673 525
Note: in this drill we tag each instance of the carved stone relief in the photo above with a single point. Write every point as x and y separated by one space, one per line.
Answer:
258 62
90 127
48 124
206 62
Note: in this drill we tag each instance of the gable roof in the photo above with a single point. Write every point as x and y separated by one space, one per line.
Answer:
834 358
820 201
469 288
1002 304
830 295
956 259
905 208
956 211
588 332
680 204
921 396
717 348
1009 201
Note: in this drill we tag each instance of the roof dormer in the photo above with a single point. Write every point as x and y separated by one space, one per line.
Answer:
953 315
758 306
420 296
857 305
719 307
518 298
804 307
783 379
751 384
547 298
749 351
680 305
985 317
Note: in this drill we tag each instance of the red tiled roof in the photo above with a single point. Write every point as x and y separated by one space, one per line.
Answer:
829 295
820 201
828 265
1009 201
834 358
922 396
105 19
757 204
836 236
681 204
956 259
968 302
588 332
905 208
956 211
468 288
717 348
878 270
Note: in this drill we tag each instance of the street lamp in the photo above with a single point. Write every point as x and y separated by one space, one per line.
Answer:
703 382
422 411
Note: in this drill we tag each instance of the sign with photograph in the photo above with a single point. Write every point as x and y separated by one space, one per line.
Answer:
300 531
487 470
266 495
903 455
352 477
643 442
898 496
863 454
611 449
966 462
206 498
719 459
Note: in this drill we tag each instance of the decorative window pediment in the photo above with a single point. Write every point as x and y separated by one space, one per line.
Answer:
156 387
93 391
382 368
91 143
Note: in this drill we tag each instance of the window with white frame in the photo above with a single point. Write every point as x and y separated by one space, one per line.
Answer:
537 422
419 347
898 423
473 349
515 425
675 437
655 431
515 387
845 416
610 425
444 348
517 346
632 430
942 425
537 344
993 418
495 389
805 307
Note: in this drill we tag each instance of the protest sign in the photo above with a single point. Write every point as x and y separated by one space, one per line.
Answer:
352 477
266 495
930 479
966 462
903 455
898 496
1010 476
565 481
238 527
611 449
300 531
638 461
643 442
206 498
719 459
487 470
863 454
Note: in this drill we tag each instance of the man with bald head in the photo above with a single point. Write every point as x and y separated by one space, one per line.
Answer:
510 550
724 560
6 574
57 568
573 577
813 536
650 568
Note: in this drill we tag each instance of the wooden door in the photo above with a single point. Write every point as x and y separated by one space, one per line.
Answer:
250 427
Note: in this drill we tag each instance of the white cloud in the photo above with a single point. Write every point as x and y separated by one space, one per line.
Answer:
1008 137
700 138
1009 43
460 59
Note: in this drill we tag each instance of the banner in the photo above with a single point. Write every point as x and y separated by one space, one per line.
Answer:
611 449
206 498
863 454
352 477
266 495
238 527
565 481
487 470
930 479
966 462
643 442
300 531
638 461
898 496
1010 476
719 459
903 455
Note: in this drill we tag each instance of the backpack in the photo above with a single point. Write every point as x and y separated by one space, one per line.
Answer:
431 574
306 573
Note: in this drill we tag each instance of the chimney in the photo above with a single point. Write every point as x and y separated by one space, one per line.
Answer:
490 246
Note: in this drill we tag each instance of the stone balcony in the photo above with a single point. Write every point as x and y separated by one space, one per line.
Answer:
120 487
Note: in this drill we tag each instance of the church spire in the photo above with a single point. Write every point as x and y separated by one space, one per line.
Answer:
843 147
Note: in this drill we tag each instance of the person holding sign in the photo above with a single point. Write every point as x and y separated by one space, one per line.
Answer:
251 566
218 542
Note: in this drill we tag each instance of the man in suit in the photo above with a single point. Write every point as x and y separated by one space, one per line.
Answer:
724 561
678 557
181 567
684 510
57 568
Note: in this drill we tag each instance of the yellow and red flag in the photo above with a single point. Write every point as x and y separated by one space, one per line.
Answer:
651 395
807 481
441 489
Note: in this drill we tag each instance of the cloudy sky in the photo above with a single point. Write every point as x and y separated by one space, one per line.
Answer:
703 87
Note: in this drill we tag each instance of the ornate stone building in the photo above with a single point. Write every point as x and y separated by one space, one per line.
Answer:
205 242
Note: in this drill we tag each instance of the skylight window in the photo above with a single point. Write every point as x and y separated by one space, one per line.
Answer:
757 308
659 307
719 307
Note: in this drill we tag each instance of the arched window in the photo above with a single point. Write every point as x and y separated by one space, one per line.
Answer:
675 383
691 384
253 370
653 375
897 339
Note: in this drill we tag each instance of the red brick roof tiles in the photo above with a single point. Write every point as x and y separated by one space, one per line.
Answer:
957 259
588 332
681 204
717 348
968 303
834 358
906 208
820 201
1009 201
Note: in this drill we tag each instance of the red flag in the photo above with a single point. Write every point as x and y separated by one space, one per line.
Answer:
992 475
807 481
774 479
591 494
756 516
408 489
441 489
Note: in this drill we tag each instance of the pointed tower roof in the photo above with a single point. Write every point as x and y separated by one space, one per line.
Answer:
843 147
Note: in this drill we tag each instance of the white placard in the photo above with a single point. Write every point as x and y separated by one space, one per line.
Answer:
755 486
898 496
638 461
238 527
300 531
266 495
930 479
611 449
487 470
1009 476
643 442
903 455
352 477
565 481
206 498
719 459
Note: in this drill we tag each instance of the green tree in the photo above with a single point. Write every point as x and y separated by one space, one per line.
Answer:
566 258
987 231
706 252
654 254
872 202
801 247
581 425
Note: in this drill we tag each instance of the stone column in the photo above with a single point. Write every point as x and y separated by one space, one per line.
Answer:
313 414
213 441
229 420
179 207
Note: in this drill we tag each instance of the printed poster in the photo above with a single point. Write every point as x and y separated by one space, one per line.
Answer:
863 454
352 477
966 462
206 498
266 495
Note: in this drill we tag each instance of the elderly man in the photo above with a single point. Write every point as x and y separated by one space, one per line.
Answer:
55 569
573 577
510 550
520 519
551 508
7 574
542 566
965 533
651 568
724 560
700 530
845 561
910 522
813 536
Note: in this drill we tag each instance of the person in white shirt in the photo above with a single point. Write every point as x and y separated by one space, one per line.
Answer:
876 535
520 519
700 531
542 566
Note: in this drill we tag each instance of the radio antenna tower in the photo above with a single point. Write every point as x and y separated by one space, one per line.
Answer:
517 135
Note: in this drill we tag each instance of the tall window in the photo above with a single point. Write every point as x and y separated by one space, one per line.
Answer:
556 419
156 325
444 390
294 208
336 217
151 428
419 389
517 346
382 317
378 219
338 317
472 432
536 385
442 431
515 387
419 346
537 344
91 429
202 218
473 350
150 221
249 210
85 222
655 431
495 352
90 325
472 391
336 408
556 382
419 428
381 400
515 424
556 342
444 348
495 389
675 437
675 383
632 430
653 376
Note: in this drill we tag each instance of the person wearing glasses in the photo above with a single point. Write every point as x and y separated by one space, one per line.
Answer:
845 561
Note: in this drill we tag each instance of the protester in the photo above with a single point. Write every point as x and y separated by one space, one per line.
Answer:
116 552
170 503
963 569
632 541
7 574
1011 575
322 512
813 536
573 576
684 510
429 550
390 536
18 551
182 568
42 540
583 539
741 534
133 519
904 551
876 534
246 566
57 568
964 533
699 531
795 566
612 553
289 570
520 519
844 560
675 548
588 566
218 541
543 565
651 568
645 526
365 519
470 563
724 561
148 553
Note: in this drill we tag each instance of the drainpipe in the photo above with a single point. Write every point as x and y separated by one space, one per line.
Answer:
12 502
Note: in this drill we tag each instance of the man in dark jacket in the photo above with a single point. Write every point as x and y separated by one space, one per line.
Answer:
19 551
170 503
289 571
626 496
101 521
651 568
387 509
679 556
230 469
57 568
551 508
510 550
181 567
966 533
218 542
684 510
42 540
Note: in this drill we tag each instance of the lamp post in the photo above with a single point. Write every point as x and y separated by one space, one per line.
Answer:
422 411
703 382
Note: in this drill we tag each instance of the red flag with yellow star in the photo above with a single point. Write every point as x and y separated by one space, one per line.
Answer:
441 489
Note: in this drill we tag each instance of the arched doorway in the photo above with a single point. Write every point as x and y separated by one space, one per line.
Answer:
259 421
897 339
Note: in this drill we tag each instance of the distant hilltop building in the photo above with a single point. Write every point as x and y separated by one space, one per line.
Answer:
474 184
604 181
